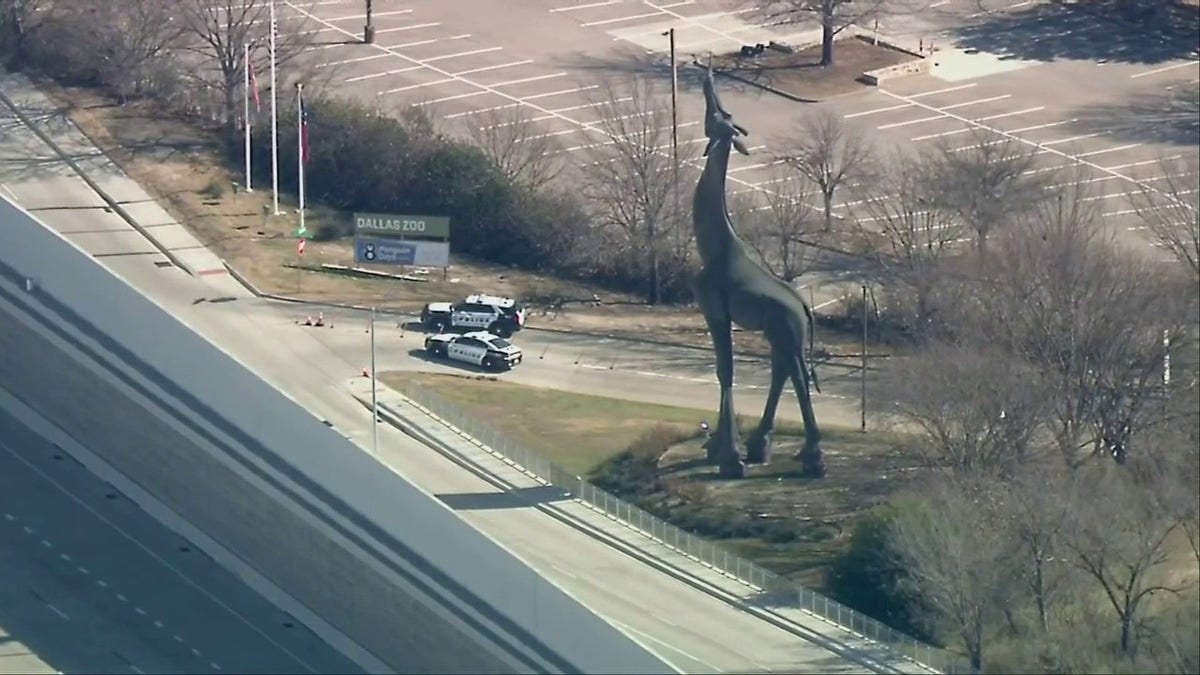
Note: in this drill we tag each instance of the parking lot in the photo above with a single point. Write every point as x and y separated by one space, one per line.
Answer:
550 56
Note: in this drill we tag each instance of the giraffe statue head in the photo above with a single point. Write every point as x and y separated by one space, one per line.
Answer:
718 123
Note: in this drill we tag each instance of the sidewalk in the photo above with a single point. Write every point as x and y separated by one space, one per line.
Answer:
773 604
121 194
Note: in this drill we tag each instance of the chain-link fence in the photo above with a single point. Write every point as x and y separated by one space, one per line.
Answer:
781 591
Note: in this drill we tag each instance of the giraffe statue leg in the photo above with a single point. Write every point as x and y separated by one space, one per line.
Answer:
758 445
810 458
724 444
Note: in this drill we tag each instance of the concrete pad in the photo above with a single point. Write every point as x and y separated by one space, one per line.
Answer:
717 32
49 191
123 189
112 243
200 261
954 65
147 213
172 236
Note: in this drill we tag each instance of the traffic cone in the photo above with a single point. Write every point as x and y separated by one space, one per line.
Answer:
308 321
320 320
366 373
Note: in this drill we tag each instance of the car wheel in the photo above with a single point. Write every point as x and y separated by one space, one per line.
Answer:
501 329
490 363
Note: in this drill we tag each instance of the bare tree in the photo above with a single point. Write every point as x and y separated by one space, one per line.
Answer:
630 179
834 16
217 31
829 154
908 235
957 559
127 42
1037 510
778 229
19 20
978 409
1170 209
1089 316
1121 542
987 183
522 150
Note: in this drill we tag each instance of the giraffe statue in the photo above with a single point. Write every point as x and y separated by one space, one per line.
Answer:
734 288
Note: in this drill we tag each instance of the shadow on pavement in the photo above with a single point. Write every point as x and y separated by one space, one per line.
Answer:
1113 30
1171 116
512 499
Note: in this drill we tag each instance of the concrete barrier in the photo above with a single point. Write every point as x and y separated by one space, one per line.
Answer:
393 527
919 64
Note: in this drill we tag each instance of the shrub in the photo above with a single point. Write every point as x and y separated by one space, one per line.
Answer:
634 472
866 576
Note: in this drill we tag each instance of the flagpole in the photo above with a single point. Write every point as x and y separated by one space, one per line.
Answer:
274 120
246 113
374 398
300 150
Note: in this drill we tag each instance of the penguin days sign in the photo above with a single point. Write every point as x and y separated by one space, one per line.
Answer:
387 239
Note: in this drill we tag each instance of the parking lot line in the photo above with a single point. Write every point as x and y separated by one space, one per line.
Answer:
1019 139
945 90
414 26
384 73
560 92
418 86
489 88
572 8
454 116
635 17
1119 148
1073 139
1143 162
919 120
470 94
472 52
359 59
1163 69
498 66
371 76
418 43
523 80
877 110
374 15
956 132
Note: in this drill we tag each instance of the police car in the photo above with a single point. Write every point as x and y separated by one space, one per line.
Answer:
498 315
478 348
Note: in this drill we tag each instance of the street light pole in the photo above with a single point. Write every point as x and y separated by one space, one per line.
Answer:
369 29
864 359
670 34
374 393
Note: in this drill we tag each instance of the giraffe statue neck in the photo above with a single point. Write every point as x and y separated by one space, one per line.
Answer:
710 217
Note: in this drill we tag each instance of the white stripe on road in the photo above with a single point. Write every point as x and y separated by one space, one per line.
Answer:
1163 69
589 5
472 52
634 17
414 26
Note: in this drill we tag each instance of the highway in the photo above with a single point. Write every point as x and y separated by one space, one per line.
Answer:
91 583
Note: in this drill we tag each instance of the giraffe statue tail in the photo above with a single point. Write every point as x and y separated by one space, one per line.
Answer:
812 368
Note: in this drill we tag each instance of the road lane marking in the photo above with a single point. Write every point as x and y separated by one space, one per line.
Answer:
65 557
58 612
414 26
9 517
195 652
122 598
514 64
139 611
83 570
371 76
945 90
443 57
214 666
187 580
1119 148
158 624
177 639
1163 69
28 529
46 543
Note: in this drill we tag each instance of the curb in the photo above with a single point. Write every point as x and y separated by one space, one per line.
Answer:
413 430
104 196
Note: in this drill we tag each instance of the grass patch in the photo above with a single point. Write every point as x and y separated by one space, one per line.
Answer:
576 431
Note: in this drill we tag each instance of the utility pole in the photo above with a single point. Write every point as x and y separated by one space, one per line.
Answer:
369 29
274 120
863 424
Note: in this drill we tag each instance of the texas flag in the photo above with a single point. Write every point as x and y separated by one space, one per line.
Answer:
300 247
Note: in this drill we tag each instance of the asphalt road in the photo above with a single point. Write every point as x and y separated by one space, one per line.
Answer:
91 583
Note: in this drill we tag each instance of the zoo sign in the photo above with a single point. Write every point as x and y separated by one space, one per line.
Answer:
402 226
